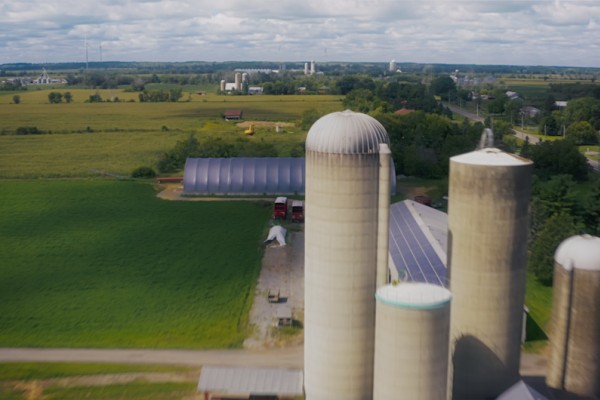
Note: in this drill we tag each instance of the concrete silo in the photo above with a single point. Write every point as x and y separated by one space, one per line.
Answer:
574 363
222 85
341 218
411 342
488 225
238 81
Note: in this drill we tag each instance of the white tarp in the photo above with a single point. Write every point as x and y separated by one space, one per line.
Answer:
277 233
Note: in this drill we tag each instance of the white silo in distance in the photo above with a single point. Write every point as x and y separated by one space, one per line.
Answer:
341 223
223 85
488 225
411 342
238 81
574 363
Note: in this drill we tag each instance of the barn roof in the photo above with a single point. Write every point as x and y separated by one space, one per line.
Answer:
240 380
243 176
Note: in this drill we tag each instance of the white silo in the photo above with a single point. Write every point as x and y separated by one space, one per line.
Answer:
245 77
393 66
238 81
306 68
488 225
313 67
222 86
342 184
411 342
574 363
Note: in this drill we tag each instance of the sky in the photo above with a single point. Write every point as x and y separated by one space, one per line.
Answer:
510 32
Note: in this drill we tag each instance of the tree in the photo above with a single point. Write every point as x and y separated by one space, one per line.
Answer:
583 109
442 86
541 260
549 126
309 117
582 133
68 97
16 99
95 98
559 157
55 97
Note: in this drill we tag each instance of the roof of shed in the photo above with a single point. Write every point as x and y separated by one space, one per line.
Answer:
278 381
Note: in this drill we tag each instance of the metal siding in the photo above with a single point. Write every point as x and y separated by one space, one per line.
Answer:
202 173
237 176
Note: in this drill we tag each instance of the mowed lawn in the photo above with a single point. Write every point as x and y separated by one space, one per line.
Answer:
104 263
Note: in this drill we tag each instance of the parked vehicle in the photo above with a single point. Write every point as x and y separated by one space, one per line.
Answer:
280 208
297 211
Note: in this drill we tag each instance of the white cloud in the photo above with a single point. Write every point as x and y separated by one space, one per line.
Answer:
461 31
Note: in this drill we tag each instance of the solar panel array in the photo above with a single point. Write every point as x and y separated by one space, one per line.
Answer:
411 251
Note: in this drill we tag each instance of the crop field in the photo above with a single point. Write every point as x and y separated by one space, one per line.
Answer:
119 137
35 110
104 263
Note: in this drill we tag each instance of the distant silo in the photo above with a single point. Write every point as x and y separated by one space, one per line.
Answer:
313 67
342 183
245 77
411 342
306 68
238 81
488 225
393 66
222 87
574 363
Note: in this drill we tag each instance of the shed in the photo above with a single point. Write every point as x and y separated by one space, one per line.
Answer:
232 114
284 316
250 383
248 175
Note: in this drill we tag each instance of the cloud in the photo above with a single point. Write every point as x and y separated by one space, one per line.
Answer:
461 31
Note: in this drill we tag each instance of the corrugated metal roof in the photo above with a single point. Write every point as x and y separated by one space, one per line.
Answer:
416 253
346 132
238 380
243 176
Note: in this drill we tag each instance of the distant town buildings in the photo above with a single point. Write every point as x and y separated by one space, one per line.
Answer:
42 79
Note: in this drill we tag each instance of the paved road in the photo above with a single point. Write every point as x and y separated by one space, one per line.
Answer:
521 135
464 113
292 357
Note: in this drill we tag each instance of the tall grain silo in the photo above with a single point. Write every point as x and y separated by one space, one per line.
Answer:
488 225
245 77
341 218
222 86
574 363
238 81
411 342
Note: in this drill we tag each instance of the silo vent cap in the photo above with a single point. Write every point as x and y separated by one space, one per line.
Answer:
346 132
580 252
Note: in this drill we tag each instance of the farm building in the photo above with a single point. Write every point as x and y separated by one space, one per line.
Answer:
232 114
250 383
248 176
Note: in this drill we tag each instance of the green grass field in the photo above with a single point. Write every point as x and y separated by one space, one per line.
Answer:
34 110
119 137
95 263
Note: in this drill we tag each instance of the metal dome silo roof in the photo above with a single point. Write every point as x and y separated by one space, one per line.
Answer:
581 252
346 132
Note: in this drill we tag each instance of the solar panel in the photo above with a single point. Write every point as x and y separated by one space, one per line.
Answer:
411 251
